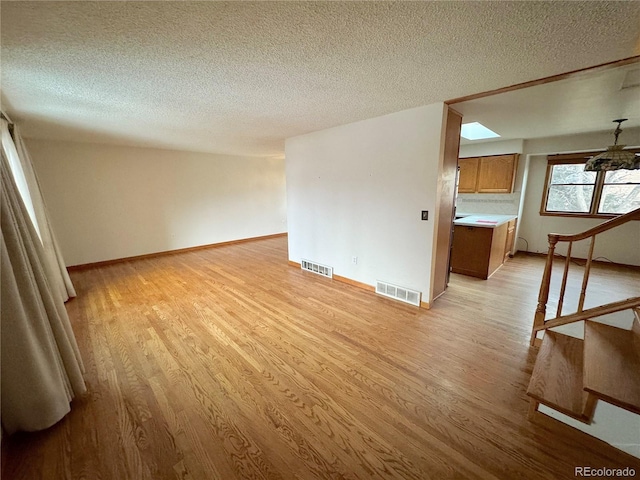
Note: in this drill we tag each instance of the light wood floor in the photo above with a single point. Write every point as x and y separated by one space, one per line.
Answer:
229 364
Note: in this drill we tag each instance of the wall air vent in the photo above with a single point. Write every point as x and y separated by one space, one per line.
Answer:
317 268
398 293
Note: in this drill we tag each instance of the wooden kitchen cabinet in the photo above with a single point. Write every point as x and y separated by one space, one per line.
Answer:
468 178
496 174
492 174
478 251
511 237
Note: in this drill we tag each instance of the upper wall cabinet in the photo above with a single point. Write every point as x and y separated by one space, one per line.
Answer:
468 178
494 174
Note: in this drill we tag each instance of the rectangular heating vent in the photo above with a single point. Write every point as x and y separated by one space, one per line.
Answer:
317 268
398 293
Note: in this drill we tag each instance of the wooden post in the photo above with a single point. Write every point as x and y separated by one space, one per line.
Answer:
543 297
585 278
565 275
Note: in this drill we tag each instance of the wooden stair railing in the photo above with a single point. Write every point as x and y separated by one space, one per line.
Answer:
539 320
590 313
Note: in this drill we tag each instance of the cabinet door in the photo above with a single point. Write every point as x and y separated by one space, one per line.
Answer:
468 174
511 234
496 174
471 250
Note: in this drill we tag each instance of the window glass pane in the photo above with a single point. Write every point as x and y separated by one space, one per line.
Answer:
622 176
569 198
619 198
572 174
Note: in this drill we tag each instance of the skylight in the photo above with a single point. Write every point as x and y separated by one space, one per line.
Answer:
476 131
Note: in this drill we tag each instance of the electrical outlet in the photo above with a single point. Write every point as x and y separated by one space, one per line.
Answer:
354 260
425 214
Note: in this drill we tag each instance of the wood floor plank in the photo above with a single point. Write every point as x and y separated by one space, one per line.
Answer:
228 363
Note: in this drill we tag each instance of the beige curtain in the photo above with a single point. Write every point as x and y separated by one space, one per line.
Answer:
27 183
40 365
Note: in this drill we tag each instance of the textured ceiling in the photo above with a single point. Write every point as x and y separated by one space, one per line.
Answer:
240 77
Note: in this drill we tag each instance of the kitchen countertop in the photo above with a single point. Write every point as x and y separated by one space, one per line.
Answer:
482 220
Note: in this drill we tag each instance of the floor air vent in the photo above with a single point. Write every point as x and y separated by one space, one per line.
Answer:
398 293
317 268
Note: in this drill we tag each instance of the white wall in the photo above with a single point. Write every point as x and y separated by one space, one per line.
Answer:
498 203
109 202
582 142
496 147
357 191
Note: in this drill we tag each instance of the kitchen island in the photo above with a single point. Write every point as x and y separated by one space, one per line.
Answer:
481 244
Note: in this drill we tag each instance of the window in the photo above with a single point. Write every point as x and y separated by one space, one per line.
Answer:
620 192
572 191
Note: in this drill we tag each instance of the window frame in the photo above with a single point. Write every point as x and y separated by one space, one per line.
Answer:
575 159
